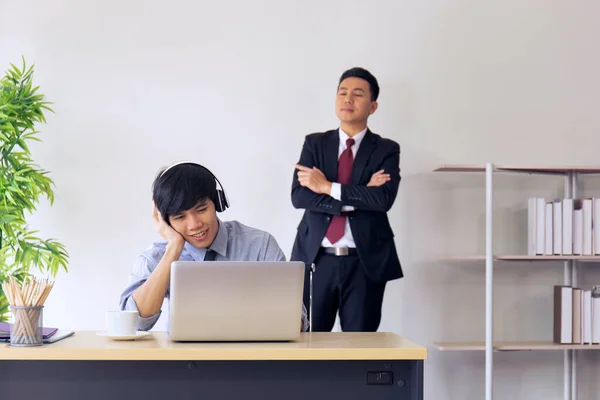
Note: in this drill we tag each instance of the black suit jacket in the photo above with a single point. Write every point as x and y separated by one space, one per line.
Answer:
369 222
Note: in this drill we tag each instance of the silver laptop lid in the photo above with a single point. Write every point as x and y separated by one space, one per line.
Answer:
235 300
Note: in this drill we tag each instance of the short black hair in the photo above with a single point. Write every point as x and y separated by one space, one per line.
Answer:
362 73
181 187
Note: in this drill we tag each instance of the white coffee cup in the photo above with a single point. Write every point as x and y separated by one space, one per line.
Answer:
121 323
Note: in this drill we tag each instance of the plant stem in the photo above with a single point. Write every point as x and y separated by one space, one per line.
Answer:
12 145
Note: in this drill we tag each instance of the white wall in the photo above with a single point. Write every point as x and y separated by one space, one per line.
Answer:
236 85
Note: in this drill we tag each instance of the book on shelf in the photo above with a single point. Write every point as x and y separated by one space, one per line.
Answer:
586 207
563 227
549 229
567 226
596 217
557 229
576 315
586 313
563 314
577 228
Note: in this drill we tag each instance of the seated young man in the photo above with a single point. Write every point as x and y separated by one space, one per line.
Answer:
186 202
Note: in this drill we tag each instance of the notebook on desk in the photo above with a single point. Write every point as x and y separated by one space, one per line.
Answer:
59 335
49 335
5 331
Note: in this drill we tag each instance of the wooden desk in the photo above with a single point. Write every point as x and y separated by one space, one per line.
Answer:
317 366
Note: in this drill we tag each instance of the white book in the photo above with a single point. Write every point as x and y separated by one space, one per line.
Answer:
540 238
587 249
596 225
587 316
548 230
531 226
595 319
563 314
567 226
577 228
557 227
577 316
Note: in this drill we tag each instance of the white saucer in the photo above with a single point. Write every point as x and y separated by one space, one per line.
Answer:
138 335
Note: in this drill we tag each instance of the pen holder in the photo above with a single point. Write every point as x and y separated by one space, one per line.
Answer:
26 326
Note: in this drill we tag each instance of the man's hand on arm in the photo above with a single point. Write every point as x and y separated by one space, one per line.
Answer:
150 295
380 192
313 179
305 198
379 178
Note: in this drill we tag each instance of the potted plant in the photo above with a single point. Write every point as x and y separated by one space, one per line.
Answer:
23 183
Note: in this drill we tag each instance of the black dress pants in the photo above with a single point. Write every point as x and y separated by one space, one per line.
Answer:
340 283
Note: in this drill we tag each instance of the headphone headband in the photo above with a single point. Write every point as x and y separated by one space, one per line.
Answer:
180 163
221 196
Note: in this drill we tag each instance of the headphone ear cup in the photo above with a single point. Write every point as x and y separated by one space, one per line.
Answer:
225 200
222 201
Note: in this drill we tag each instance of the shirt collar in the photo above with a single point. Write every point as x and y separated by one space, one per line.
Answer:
219 245
357 138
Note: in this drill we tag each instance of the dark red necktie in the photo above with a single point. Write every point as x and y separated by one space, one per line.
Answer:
338 222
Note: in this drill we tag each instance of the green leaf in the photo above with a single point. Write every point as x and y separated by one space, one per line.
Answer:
10 197
8 218
23 183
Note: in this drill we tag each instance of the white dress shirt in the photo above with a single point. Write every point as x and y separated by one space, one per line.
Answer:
336 189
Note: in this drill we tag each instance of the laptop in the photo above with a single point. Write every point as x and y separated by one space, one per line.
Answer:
225 301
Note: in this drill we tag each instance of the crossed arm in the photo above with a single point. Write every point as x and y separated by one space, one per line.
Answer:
312 191
314 179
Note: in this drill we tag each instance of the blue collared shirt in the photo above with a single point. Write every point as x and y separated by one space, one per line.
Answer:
234 242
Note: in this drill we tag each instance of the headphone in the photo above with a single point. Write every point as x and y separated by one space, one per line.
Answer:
222 202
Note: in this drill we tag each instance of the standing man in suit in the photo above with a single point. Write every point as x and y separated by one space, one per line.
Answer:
346 181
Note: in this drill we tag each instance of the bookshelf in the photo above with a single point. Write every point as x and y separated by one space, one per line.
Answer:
555 170
513 346
570 262
519 258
